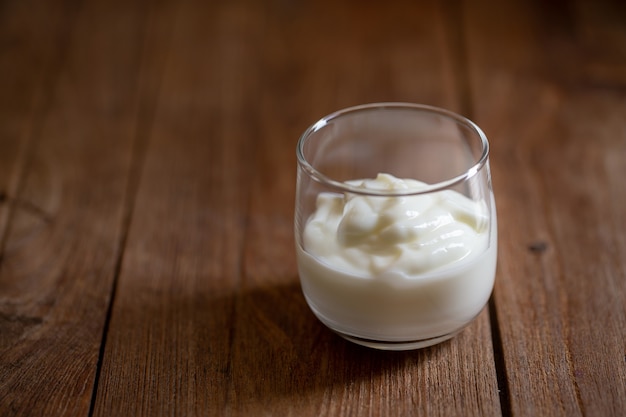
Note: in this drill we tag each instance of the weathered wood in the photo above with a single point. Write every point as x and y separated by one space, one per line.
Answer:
208 316
32 41
62 245
168 347
284 361
147 175
549 88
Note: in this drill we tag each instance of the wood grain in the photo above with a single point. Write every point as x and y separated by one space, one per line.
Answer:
552 100
208 316
61 248
147 181
30 51
284 361
168 347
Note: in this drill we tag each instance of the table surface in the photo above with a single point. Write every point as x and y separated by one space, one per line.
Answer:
147 181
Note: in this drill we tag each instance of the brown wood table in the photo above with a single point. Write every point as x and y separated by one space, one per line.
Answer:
147 180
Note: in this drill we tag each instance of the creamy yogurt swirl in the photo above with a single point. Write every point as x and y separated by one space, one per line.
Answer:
370 235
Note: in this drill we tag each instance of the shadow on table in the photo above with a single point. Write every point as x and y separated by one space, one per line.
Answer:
279 352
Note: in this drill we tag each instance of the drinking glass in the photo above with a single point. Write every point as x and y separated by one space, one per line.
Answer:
415 299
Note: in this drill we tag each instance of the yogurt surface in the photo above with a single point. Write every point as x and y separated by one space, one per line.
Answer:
397 268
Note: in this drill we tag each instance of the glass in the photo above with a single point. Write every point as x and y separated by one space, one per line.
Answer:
385 261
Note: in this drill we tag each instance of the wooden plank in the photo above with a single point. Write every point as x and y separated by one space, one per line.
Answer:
60 256
31 43
168 346
284 361
195 328
208 317
549 85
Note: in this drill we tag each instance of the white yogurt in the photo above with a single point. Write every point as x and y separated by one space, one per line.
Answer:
411 270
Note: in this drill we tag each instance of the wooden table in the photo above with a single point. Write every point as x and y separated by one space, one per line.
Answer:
147 178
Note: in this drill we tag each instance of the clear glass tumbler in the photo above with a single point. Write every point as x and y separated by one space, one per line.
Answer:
395 223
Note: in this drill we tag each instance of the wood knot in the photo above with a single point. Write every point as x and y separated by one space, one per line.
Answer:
14 326
538 247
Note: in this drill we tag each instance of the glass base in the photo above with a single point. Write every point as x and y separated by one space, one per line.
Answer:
397 345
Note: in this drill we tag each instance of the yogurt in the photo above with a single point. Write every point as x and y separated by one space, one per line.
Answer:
407 271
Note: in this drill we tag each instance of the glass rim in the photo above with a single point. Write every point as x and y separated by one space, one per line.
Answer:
429 188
